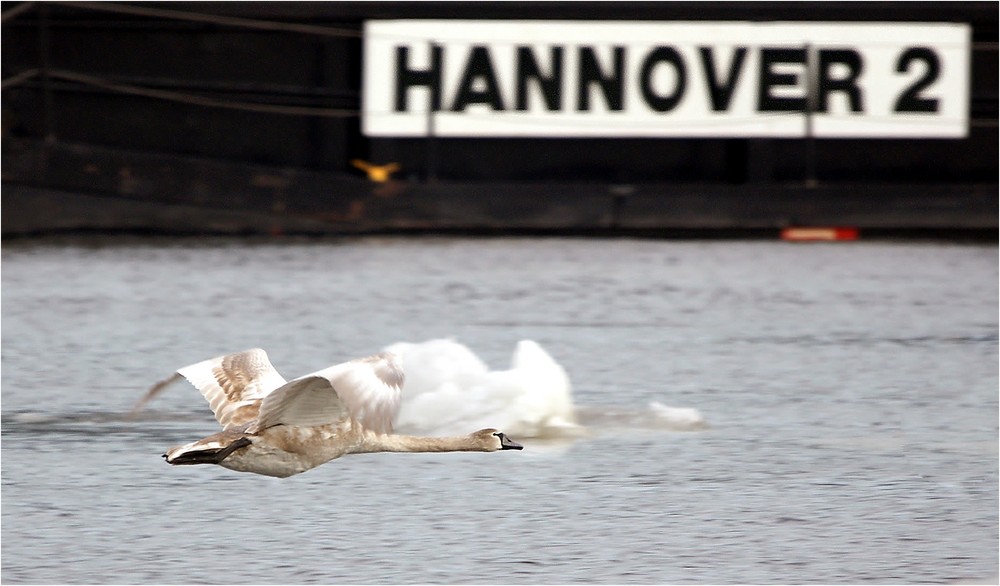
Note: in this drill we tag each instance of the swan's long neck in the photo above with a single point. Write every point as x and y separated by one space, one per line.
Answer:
412 443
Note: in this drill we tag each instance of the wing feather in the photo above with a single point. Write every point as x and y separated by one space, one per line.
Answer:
234 384
367 390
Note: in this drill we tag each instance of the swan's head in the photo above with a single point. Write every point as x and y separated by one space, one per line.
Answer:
491 440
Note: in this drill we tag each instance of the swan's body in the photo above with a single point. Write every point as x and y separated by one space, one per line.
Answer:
280 428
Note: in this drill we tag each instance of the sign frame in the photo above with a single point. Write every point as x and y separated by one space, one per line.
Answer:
543 78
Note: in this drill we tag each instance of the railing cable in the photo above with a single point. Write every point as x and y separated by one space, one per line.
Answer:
192 99
218 19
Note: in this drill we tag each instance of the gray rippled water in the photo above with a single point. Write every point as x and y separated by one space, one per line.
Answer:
851 393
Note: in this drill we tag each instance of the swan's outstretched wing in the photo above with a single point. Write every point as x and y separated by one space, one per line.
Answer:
152 392
367 390
233 384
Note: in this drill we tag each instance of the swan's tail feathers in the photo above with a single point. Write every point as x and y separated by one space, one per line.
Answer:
206 451
152 392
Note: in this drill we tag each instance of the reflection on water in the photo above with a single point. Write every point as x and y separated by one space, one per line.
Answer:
849 391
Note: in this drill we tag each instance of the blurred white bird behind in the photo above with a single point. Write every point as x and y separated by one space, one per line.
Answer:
448 388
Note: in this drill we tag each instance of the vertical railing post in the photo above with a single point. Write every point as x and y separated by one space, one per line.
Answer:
812 104
44 47
431 151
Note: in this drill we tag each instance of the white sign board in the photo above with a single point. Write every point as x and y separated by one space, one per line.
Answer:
665 79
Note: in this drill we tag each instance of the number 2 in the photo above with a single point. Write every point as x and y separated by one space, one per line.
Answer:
911 100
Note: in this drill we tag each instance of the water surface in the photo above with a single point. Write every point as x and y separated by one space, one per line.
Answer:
850 389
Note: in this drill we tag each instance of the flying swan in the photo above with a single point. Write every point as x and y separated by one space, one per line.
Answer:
278 428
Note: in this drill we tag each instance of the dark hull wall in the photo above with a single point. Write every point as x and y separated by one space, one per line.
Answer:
129 110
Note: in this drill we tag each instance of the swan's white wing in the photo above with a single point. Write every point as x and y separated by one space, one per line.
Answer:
234 383
367 390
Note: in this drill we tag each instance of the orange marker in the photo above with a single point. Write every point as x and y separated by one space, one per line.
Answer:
803 234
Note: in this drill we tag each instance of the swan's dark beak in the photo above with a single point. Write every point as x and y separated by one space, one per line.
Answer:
508 444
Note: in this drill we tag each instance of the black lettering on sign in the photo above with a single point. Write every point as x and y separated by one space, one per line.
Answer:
612 86
654 58
551 85
847 84
478 67
721 92
770 79
911 100
407 78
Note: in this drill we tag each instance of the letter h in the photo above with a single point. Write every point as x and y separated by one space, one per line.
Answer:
407 78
